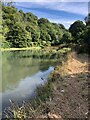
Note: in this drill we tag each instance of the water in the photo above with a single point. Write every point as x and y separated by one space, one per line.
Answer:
22 72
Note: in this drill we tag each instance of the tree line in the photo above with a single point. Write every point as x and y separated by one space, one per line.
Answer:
25 30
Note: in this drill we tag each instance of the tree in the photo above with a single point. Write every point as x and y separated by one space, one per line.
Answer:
43 21
86 35
61 26
31 18
10 3
67 37
76 29
25 29
18 36
44 36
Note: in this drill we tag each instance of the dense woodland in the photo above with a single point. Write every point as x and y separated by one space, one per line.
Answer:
25 30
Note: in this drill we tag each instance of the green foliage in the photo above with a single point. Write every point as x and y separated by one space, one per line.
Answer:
76 29
61 26
87 35
18 36
81 35
67 37
5 44
44 36
25 29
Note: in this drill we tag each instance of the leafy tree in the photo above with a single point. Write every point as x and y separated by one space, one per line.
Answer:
10 3
25 29
67 37
42 21
76 29
18 36
31 18
44 36
61 26
86 35
35 32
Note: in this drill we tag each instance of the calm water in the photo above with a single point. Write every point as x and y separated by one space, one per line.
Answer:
22 72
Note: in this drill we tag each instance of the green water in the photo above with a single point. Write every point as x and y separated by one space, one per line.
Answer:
22 72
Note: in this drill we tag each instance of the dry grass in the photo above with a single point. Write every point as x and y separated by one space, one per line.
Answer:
75 64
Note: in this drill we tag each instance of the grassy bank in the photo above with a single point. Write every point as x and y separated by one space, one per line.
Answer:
38 52
14 49
62 48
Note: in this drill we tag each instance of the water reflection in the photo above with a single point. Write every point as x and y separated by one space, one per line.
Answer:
22 72
25 88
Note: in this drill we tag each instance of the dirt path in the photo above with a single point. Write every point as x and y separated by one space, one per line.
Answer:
75 64
70 88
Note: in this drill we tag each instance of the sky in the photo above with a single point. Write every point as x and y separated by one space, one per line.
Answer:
59 11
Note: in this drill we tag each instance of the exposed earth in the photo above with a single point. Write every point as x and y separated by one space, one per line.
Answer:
70 89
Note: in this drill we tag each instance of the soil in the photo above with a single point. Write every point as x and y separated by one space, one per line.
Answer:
70 90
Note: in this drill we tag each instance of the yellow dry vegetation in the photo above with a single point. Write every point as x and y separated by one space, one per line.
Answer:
75 64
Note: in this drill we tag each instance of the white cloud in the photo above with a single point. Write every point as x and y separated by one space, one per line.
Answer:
72 7
78 8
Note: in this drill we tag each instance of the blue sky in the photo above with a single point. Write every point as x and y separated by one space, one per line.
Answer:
59 12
